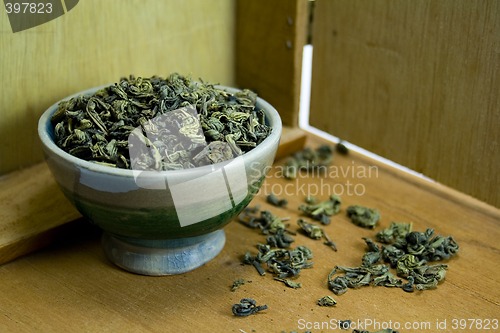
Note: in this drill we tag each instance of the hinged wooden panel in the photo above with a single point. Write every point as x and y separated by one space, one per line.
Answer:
270 36
417 82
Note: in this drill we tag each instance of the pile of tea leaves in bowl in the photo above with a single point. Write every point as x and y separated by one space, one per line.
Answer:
159 124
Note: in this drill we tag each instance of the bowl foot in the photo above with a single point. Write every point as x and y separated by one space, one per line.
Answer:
163 257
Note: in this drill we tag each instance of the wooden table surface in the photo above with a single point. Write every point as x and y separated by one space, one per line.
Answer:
71 287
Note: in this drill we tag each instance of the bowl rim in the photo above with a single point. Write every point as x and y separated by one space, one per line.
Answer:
271 114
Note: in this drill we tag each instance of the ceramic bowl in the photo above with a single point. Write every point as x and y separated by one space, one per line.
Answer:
161 223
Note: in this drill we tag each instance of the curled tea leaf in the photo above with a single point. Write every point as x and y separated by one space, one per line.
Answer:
280 239
327 301
237 283
289 283
246 307
363 216
323 210
275 201
373 254
311 230
341 148
396 231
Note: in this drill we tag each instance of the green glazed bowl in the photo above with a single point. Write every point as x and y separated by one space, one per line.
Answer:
161 222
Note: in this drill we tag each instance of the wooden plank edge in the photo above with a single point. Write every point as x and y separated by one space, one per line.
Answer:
431 186
21 247
32 207
292 140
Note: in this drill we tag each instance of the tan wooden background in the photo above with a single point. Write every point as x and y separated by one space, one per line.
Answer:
270 36
417 82
96 43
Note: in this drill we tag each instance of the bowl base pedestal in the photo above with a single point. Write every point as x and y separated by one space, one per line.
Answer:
163 257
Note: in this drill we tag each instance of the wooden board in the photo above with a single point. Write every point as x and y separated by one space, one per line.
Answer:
72 287
97 43
33 209
292 140
414 81
270 36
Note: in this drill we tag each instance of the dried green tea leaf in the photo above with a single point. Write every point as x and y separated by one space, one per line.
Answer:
327 301
363 216
280 239
237 283
329 242
353 277
338 285
429 247
345 324
407 263
396 231
266 222
323 210
289 283
311 230
275 201
311 200
283 263
341 148
373 254
246 307
387 280
308 160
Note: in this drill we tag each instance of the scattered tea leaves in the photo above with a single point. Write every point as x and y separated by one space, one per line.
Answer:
308 160
265 221
409 253
281 263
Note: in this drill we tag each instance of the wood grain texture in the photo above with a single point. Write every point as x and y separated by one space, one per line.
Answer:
72 287
270 36
417 82
97 43
32 208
